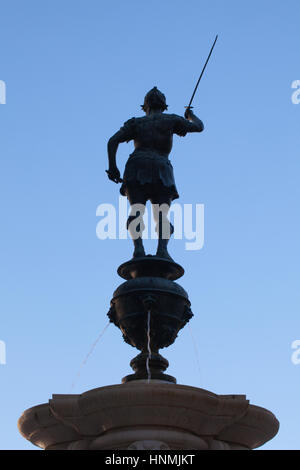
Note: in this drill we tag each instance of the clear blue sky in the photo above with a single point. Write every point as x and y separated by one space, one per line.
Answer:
75 71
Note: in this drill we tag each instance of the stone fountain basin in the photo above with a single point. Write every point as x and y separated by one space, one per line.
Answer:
131 415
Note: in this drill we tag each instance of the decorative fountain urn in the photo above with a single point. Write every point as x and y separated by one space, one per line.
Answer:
150 309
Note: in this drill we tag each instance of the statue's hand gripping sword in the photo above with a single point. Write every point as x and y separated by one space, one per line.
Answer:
194 92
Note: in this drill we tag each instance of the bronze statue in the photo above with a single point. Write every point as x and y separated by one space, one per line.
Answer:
148 172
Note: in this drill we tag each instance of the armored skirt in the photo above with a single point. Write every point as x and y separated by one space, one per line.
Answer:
148 170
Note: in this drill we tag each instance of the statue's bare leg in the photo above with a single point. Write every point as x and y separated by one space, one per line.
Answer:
164 228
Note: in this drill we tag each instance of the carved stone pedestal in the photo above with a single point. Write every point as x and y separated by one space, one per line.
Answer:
141 415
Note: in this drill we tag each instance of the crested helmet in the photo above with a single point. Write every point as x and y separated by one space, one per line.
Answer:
154 99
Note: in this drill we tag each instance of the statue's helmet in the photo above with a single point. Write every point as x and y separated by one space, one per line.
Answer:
155 99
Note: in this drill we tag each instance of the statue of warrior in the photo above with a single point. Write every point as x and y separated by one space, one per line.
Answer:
148 172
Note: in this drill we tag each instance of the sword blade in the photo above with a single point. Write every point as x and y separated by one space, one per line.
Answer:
194 92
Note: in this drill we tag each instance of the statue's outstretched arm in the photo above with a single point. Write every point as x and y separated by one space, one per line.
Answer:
196 125
190 123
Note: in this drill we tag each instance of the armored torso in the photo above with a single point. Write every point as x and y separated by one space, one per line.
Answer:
153 139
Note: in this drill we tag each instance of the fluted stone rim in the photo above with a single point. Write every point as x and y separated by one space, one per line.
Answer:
69 418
